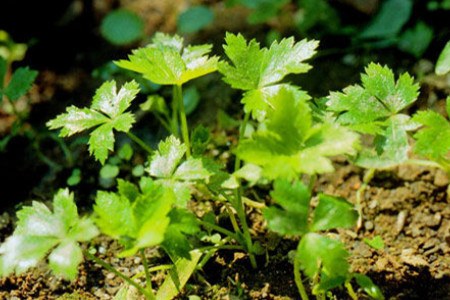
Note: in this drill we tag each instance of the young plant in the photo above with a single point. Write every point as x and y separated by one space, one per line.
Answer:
321 258
374 109
165 61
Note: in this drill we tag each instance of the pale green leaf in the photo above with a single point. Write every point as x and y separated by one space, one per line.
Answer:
443 62
333 212
291 144
113 214
64 260
107 101
165 62
390 148
292 217
76 120
112 102
180 189
376 243
39 230
20 83
192 169
166 159
253 67
178 276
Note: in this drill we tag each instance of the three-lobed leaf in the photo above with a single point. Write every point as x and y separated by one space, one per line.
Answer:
167 166
39 231
107 112
165 61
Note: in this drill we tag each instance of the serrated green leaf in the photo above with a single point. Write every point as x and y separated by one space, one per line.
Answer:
368 286
166 159
292 217
365 108
443 62
254 68
333 212
165 62
319 254
434 139
291 144
39 230
20 83
107 101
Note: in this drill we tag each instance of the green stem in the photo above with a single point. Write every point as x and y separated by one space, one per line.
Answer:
359 195
63 147
148 279
184 125
174 121
350 290
220 229
239 206
110 268
140 142
154 269
298 279
425 163
233 219
164 123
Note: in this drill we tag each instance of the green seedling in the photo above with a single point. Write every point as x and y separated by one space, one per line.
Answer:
321 258
289 142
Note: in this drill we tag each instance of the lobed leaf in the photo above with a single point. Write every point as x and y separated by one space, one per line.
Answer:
292 216
321 255
165 61
165 160
39 231
254 68
107 110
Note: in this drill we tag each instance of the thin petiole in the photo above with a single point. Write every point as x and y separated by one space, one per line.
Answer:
183 119
110 268
298 279
140 142
148 279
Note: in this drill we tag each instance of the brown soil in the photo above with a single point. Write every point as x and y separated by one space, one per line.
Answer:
407 207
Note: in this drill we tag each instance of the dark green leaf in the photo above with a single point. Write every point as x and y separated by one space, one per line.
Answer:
121 27
416 40
201 137
194 19
20 83
389 20
191 98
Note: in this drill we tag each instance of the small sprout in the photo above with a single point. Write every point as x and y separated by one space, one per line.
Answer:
376 243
